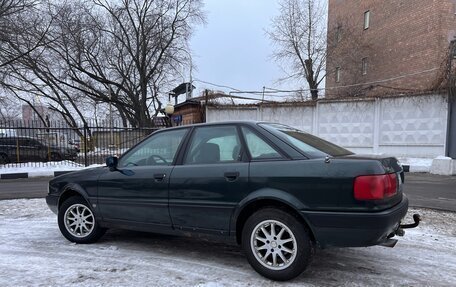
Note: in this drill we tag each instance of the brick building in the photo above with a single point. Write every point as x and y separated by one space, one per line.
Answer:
389 47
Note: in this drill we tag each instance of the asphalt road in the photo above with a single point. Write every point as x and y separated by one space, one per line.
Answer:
431 191
34 187
423 190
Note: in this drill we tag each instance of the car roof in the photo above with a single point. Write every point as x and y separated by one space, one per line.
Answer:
247 122
17 137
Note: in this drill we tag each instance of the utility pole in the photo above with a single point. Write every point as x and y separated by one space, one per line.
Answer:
451 124
110 117
191 80
189 86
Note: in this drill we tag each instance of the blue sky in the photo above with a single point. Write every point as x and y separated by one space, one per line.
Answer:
232 48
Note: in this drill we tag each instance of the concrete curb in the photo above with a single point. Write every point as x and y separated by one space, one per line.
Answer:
33 174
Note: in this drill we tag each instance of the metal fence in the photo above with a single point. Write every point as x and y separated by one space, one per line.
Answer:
35 144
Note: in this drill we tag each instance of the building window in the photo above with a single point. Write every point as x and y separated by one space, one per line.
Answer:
366 19
364 66
337 74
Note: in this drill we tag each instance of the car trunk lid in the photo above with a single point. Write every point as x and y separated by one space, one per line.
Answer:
392 171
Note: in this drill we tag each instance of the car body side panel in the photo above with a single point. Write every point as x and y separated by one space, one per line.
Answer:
322 192
320 184
201 198
269 194
83 182
134 194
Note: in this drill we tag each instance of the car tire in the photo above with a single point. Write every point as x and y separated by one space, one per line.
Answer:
270 233
4 159
77 222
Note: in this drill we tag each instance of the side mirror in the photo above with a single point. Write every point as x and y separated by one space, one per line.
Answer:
111 162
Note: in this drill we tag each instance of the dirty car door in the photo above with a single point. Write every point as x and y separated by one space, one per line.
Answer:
211 180
138 190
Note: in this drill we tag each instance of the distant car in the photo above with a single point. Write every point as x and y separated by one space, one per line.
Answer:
16 149
278 191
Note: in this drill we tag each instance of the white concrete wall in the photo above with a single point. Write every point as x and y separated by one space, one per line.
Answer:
403 126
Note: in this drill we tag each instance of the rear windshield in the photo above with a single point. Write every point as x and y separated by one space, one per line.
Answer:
309 144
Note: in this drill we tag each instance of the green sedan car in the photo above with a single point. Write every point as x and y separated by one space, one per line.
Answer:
277 191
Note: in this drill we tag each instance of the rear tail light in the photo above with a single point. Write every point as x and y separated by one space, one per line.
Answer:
375 187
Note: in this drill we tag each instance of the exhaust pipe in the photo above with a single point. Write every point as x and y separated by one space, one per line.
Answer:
389 243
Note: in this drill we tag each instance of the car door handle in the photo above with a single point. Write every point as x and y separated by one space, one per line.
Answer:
231 176
159 177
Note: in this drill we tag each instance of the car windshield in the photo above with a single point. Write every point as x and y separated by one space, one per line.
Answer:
309 144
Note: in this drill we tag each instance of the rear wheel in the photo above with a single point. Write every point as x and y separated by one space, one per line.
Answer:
77 221
277 245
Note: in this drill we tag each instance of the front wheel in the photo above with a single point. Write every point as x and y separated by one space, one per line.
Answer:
277 245
77 221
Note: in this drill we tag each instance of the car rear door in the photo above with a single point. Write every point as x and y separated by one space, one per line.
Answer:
210 181
27 150
137 192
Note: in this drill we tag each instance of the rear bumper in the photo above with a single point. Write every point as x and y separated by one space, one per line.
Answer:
355 229
52 202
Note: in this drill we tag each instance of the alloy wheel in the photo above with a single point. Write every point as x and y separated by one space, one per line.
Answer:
273 244
79 220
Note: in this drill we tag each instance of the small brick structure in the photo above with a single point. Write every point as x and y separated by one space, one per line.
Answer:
188 112
405 47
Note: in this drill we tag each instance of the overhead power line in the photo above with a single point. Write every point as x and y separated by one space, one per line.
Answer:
384 80
269 91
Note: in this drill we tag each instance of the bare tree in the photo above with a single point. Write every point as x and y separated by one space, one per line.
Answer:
121 52
118 52
11 26
299 34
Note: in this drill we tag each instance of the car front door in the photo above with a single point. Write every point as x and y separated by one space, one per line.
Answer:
212 178
138 190
40 150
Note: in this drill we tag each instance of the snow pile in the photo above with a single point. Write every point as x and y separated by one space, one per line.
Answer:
417 164
33 253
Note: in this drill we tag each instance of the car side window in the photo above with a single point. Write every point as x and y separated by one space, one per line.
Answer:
259 149
160 149
219 144
24 142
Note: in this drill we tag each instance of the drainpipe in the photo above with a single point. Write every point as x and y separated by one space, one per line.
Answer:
451 131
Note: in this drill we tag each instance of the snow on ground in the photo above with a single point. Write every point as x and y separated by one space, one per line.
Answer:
33 253
35 169
106 152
